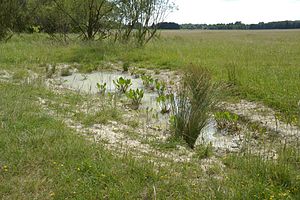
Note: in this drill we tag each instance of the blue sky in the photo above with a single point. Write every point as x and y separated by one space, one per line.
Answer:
226 11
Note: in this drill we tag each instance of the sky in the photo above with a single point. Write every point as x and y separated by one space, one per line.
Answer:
227 11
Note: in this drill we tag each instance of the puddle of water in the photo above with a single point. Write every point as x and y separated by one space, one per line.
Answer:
88 83
210 134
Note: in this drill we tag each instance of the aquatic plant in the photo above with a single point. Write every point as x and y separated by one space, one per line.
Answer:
136 97
122 84
148 81
101 88
160 87
164 102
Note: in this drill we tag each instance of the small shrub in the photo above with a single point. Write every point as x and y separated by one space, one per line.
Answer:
136 97
193 103
101 88
122 84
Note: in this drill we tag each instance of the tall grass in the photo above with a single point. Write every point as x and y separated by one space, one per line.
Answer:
192 105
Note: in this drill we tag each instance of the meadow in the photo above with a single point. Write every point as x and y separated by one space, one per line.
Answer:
43 158
265 65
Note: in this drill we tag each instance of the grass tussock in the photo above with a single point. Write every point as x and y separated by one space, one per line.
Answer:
192 105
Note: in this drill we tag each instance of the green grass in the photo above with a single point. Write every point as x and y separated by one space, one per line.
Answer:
102 117
267 62
250 176
41 158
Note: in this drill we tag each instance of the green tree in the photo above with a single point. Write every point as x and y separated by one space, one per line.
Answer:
9 10
89 17
139 18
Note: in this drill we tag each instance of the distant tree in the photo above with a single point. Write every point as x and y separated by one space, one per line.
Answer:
241 26
139 18
168 25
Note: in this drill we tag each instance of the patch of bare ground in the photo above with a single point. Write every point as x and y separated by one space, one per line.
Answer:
262 116
116 137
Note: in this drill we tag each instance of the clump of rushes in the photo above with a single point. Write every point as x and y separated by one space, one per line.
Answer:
193 103
122 84
101 88
148 82
136 97
126 66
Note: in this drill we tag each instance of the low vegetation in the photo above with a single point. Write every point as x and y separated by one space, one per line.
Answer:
44 158
192 105
102 88
122 84
136 97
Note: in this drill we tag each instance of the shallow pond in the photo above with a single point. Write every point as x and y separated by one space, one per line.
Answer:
88 83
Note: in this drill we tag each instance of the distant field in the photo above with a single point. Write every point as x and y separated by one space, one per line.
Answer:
267 63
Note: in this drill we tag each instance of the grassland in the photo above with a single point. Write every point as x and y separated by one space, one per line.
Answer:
266 63
42 158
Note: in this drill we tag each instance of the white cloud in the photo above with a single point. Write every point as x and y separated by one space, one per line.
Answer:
226 11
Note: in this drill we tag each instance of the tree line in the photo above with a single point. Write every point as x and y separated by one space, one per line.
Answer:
122 20
241 26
